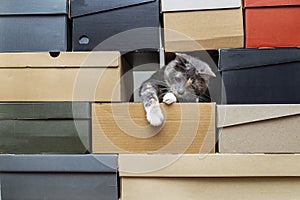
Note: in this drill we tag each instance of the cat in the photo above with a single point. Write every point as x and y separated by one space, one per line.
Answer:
184 79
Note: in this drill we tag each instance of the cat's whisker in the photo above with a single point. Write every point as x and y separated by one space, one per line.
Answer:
203 99
205 95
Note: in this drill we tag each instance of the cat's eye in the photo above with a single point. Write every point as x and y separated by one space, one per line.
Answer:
177 79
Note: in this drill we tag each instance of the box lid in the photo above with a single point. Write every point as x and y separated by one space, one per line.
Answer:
210 165
53 110
183 5
266 3
80 7
31 7
230 115
59 163
61 60
231 59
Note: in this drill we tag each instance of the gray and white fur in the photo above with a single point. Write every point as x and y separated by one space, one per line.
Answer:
184 79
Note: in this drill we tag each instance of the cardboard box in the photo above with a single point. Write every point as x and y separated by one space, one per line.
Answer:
33 25
209 25
259 76
72 76
45 128
272 23
103 25
211 176
259 128
59 177
123 128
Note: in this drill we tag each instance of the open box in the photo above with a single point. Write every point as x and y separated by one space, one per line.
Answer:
123 128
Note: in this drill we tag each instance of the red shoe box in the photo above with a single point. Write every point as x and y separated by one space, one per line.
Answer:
270 23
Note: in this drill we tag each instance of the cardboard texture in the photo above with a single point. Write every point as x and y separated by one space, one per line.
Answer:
59 177
204 29
180 5
213 176
272 23
33 25
122 128
209 165
210 189
259 76
115 17
258 128
73 76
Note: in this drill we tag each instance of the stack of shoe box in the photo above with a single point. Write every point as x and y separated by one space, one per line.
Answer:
46 95
70 69
257 134
262 79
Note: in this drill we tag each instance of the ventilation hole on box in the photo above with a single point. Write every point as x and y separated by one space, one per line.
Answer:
54 54
84 40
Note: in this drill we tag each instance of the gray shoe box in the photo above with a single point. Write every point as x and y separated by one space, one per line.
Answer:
97 23
33 25
58 177
44 127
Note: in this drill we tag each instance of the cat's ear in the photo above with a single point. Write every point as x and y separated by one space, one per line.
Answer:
180 59
204 71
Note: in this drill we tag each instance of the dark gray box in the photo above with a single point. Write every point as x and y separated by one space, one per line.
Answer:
44 127
143 61
143 65
95 21
58 177
33 25
261 76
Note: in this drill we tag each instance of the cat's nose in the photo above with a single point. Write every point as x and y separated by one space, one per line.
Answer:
180 91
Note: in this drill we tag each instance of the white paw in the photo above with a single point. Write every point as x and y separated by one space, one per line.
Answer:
155 116
169 98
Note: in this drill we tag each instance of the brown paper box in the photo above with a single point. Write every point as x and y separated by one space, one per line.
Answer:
259 128
203 29
76 76
122 128
213 176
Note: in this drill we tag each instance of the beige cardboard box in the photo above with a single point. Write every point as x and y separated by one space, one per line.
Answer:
211 177
208 25
259 128
72 76
122 128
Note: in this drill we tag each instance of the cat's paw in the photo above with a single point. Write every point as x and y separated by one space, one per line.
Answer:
155 116
169 98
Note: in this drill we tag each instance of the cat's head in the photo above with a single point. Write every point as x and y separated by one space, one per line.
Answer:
186 73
